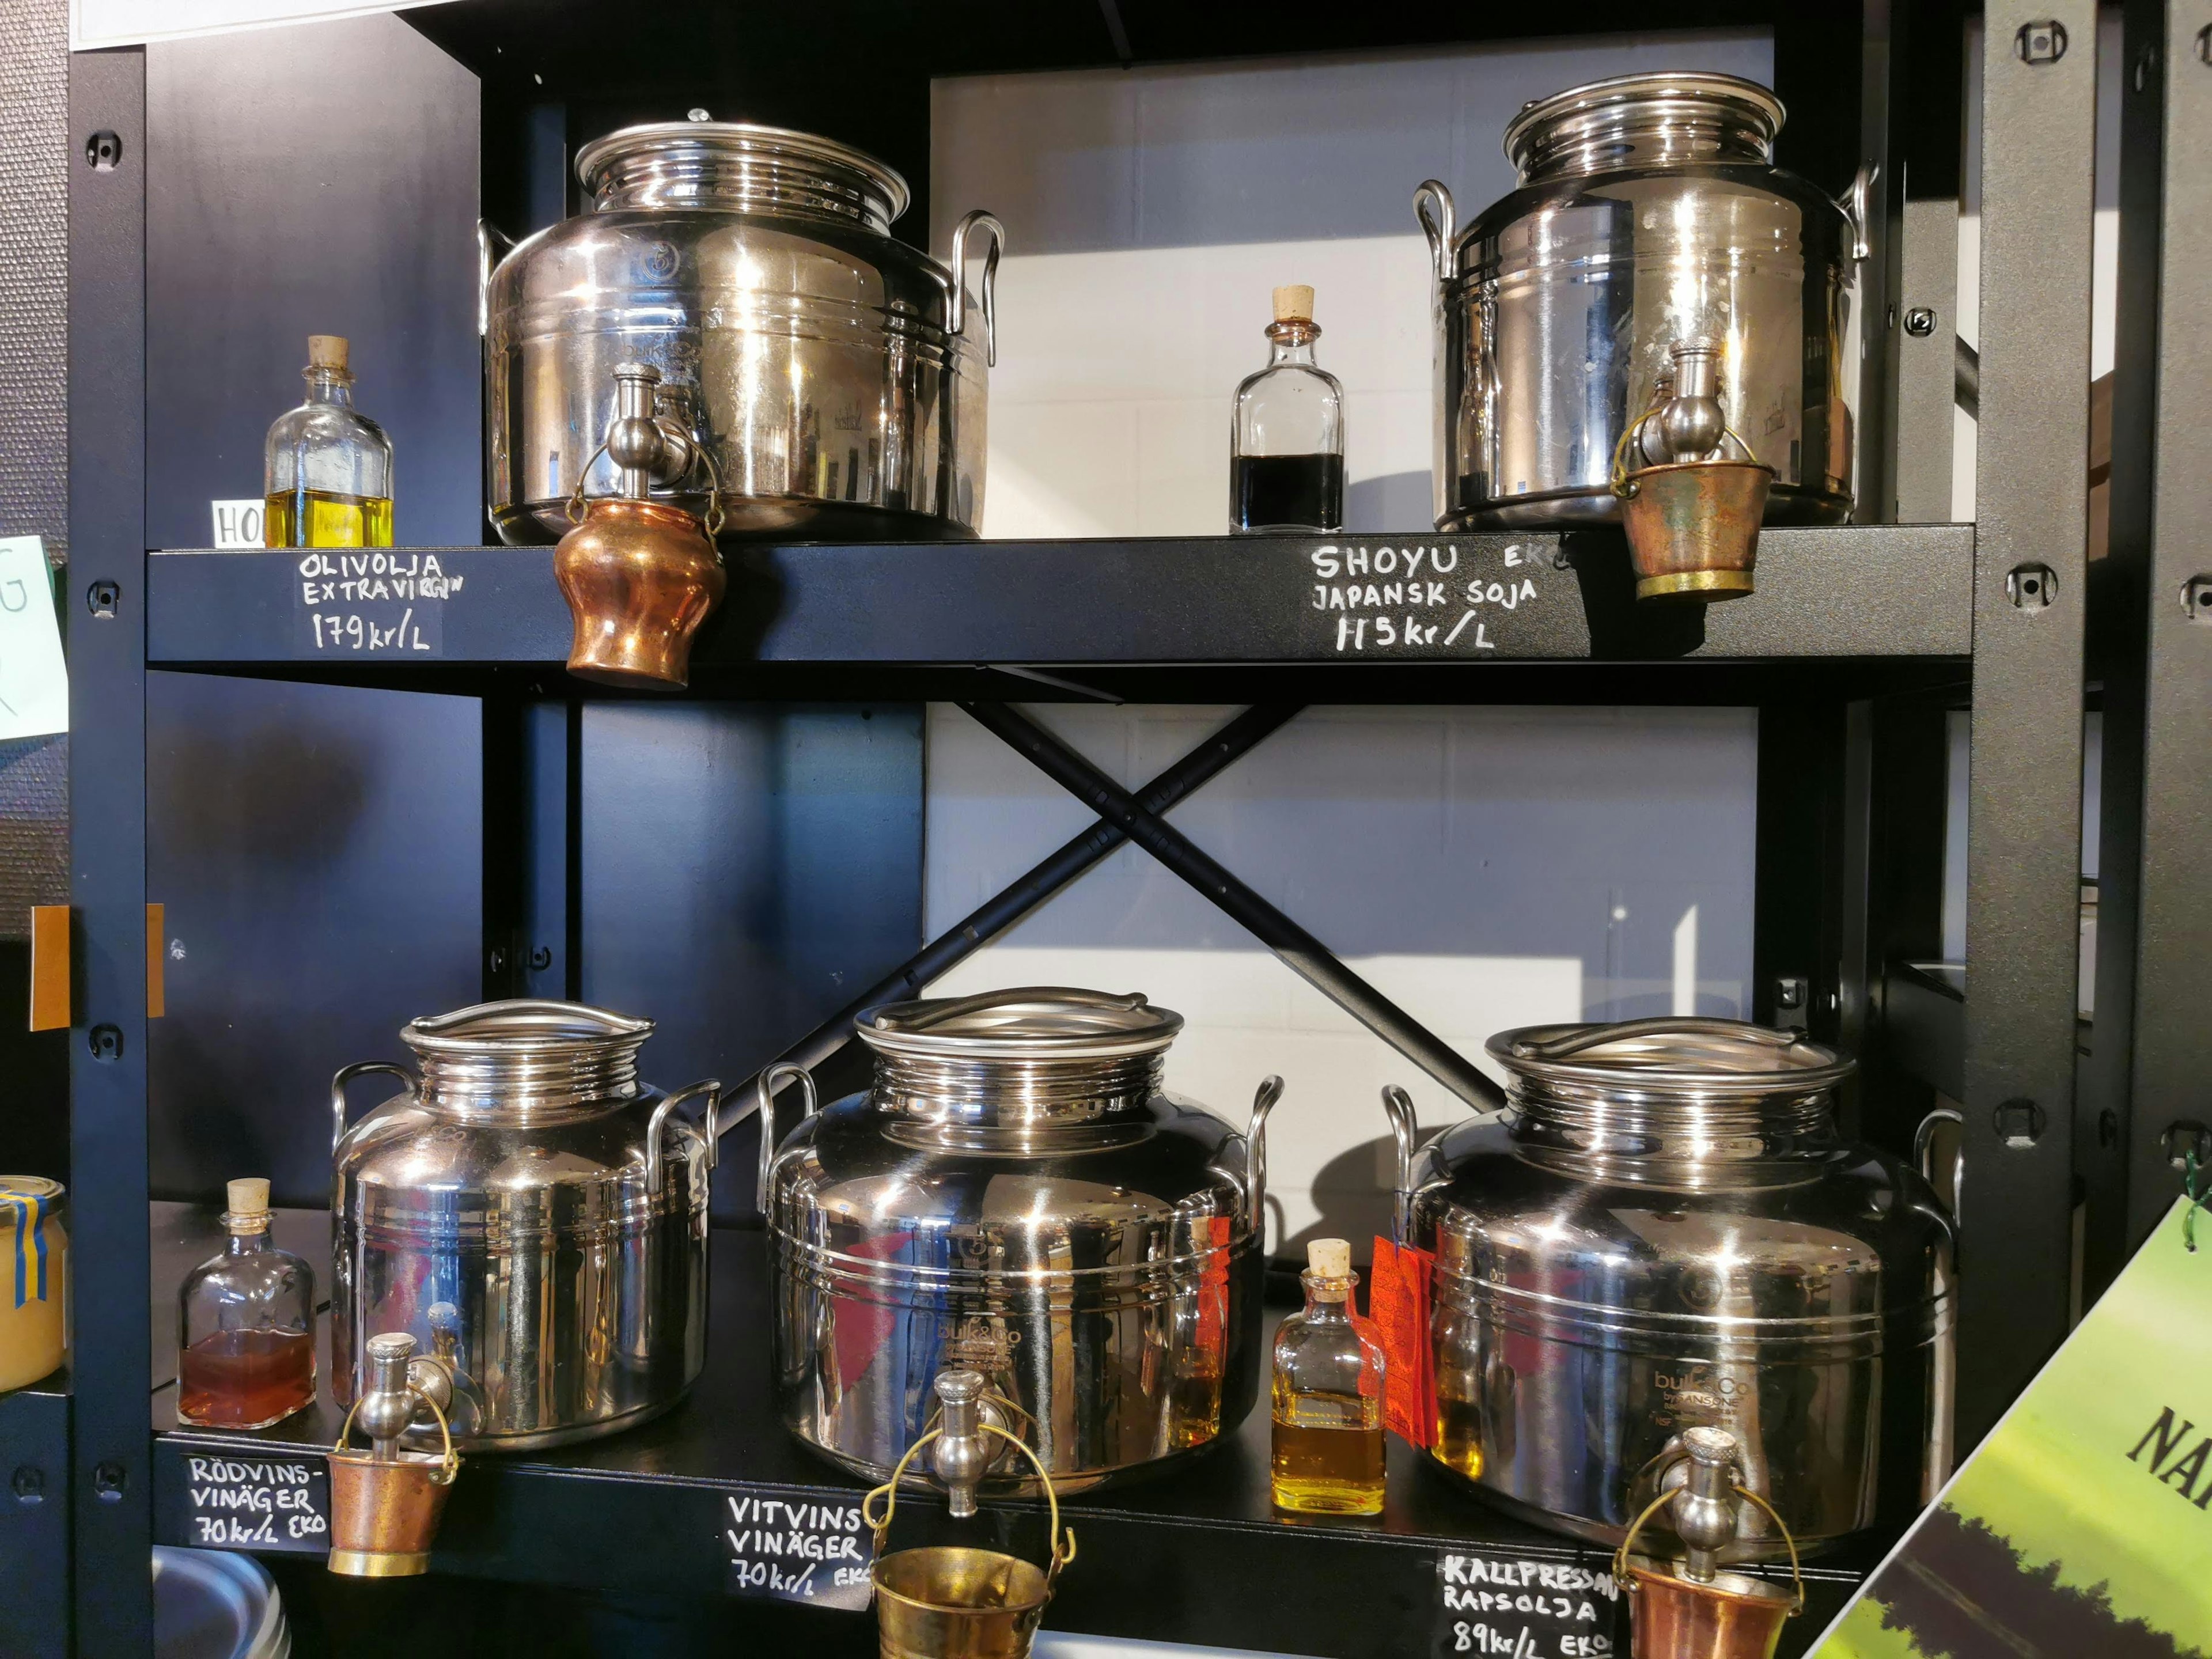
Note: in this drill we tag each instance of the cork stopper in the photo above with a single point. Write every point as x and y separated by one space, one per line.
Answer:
1329 1258
329 350
249 1198
1294 304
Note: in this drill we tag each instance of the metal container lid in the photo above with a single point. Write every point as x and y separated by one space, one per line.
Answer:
526 1055
1692 1059
1030 1022
1653 118
741 165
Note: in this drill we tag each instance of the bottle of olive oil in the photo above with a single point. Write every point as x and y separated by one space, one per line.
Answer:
328 467
1328 1396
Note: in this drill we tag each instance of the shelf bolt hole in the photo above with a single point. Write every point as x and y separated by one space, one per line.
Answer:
1920 322
2197 599
2019 1123
2177 1139
29 1485
108 1479
2032 587
101 597
104 151
2042 42
107 1041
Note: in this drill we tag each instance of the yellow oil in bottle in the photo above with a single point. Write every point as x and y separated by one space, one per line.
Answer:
1328 1454
1459 1435
323 518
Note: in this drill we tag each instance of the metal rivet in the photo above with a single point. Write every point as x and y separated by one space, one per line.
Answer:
2042 42
2197 599
101 597
2032 587
104 150
1920 322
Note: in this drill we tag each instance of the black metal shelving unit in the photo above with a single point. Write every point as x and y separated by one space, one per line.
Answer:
1859 640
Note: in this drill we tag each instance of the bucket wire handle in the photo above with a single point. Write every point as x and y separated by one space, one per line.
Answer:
711 522
1063 1544
1796 1572
1624 484
450 1461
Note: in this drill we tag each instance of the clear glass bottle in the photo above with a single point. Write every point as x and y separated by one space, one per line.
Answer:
245 1325
327 468
1328 1396
1287 434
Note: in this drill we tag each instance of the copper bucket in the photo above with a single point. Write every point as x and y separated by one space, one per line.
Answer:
1693 527
1675 1613
640 576
385 1512
954 1602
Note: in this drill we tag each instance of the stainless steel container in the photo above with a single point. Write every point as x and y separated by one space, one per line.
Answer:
1666 1232
532 1215
834 376
1016 1196
1649 212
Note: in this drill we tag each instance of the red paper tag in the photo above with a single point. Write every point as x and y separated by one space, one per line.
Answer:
1213 1288
1398 1302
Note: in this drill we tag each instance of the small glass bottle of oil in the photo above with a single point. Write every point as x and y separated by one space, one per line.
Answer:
1328 1396
245 1325
327 472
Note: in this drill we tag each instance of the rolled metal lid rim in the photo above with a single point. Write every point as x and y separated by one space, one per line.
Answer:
1646 87
738 139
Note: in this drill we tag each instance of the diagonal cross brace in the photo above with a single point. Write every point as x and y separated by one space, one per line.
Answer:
1010 904
1306 956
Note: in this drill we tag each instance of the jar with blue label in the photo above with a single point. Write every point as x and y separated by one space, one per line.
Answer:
33 1280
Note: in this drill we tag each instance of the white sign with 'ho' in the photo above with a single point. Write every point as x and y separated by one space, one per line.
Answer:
238 526
33 678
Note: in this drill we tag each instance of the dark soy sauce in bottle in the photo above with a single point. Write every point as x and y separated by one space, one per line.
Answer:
1287 432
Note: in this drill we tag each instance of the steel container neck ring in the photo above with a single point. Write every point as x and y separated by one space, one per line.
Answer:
1018 1058
1651 120
526 1057
740 165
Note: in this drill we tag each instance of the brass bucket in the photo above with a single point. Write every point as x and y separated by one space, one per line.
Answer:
385 1512
954 1602
1693 527
1729 1615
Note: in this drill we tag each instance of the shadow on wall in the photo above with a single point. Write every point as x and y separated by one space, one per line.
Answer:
1355 1193
1394 502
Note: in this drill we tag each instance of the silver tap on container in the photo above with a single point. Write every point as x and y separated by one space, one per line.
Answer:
533 1216
835 377
1017 1197
1665 1233
1649 212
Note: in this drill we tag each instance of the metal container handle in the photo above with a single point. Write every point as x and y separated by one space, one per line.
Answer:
1255 1157
1432 206
1405 1128
1589 1037
710 1087
763 1104
493 245
956 321
1063 1543
953 1008
347 1074
1923 1151
1858 205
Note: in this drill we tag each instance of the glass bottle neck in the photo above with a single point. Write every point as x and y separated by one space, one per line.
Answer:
1329 1300
1291 344
329 386
250 1243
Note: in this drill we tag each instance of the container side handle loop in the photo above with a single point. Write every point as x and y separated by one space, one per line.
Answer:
956 320
347 1074
1405 1129
1432 206
1255 1159
654 1171
763 1104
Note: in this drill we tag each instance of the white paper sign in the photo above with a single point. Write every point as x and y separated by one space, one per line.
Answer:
238 526
133 22
33 680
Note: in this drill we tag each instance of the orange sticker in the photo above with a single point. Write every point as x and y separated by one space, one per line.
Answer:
1399 1304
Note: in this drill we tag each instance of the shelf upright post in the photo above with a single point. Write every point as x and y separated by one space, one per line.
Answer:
110 1474
2152 643
2024 823
1927 91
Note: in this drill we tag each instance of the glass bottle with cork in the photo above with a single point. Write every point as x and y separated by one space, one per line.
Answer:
1328 1396
327 467
245 1325
1287 434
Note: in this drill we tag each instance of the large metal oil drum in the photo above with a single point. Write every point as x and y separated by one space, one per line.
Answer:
1666 1232
834 377
1649 214
1017 1196
533 1215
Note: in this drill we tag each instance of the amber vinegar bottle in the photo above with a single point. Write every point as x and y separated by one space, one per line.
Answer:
1328 1396
245 1325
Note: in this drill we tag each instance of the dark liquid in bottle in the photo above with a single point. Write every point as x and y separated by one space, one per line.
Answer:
246 1379
1292 492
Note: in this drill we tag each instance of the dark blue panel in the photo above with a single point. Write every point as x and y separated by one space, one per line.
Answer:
316 180
34 1511
745 869
316 848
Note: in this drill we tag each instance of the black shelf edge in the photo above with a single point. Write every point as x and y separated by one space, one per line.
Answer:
1194 1554
1881 592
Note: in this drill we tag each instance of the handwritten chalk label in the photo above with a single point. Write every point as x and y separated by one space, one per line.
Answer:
371 602
794 1549
34 677
257 1503
1427 598
238 526
1520 1609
